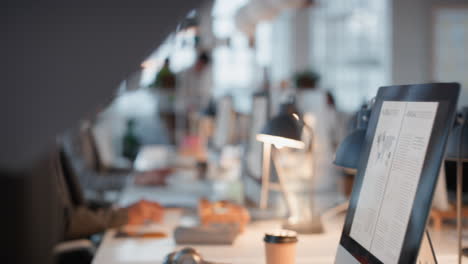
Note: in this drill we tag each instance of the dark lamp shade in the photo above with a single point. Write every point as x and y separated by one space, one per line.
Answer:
458 135
454 150
282 131
349 151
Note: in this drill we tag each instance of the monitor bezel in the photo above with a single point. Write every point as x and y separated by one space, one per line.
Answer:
446 94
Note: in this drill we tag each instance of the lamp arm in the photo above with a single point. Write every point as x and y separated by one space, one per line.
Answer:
460 192
310 131
311 147
282 181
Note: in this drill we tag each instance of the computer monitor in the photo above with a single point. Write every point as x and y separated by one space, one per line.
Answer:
397 173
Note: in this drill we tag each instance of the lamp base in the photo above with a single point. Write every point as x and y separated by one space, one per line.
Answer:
309 226
257 214
426 251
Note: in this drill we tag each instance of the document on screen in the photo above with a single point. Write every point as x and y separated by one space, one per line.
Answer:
391 177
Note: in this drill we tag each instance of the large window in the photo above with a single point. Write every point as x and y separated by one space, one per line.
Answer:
233 63
350 48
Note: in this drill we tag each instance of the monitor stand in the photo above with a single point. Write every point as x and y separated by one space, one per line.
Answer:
312 225
426 252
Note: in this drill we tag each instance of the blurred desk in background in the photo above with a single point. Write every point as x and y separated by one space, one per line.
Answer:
183 196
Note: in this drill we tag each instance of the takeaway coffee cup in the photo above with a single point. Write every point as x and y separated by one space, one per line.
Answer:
280 247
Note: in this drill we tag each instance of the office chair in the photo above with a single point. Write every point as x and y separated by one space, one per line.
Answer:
74 251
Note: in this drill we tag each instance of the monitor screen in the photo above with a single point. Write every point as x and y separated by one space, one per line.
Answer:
397 174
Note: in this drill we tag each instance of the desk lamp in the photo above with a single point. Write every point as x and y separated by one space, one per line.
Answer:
348 152
283 130
457 150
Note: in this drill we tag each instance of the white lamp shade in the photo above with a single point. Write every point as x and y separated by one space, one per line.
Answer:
280 142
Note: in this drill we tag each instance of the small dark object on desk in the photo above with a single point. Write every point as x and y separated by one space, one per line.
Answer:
126 234
213 234
186 255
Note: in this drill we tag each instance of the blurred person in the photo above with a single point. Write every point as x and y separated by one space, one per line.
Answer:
320 113
193 95
82 219
60 60
197 82
285 92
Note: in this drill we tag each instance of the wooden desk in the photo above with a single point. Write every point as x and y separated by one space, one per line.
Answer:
437 217
248 247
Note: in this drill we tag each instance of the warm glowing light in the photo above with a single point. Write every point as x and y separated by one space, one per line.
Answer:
148 64
295 116
280 142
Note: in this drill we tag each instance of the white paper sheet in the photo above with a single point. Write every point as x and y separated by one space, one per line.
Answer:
391 177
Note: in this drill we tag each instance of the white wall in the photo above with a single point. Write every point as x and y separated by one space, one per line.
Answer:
412 41
301 41
281 46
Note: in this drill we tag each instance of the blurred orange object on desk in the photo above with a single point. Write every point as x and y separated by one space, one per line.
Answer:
125 232
222 212
193 146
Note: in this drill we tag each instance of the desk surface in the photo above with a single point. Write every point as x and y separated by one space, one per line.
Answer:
248 248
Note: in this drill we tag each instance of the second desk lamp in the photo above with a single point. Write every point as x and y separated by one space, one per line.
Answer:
457 150
284 130
348 153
